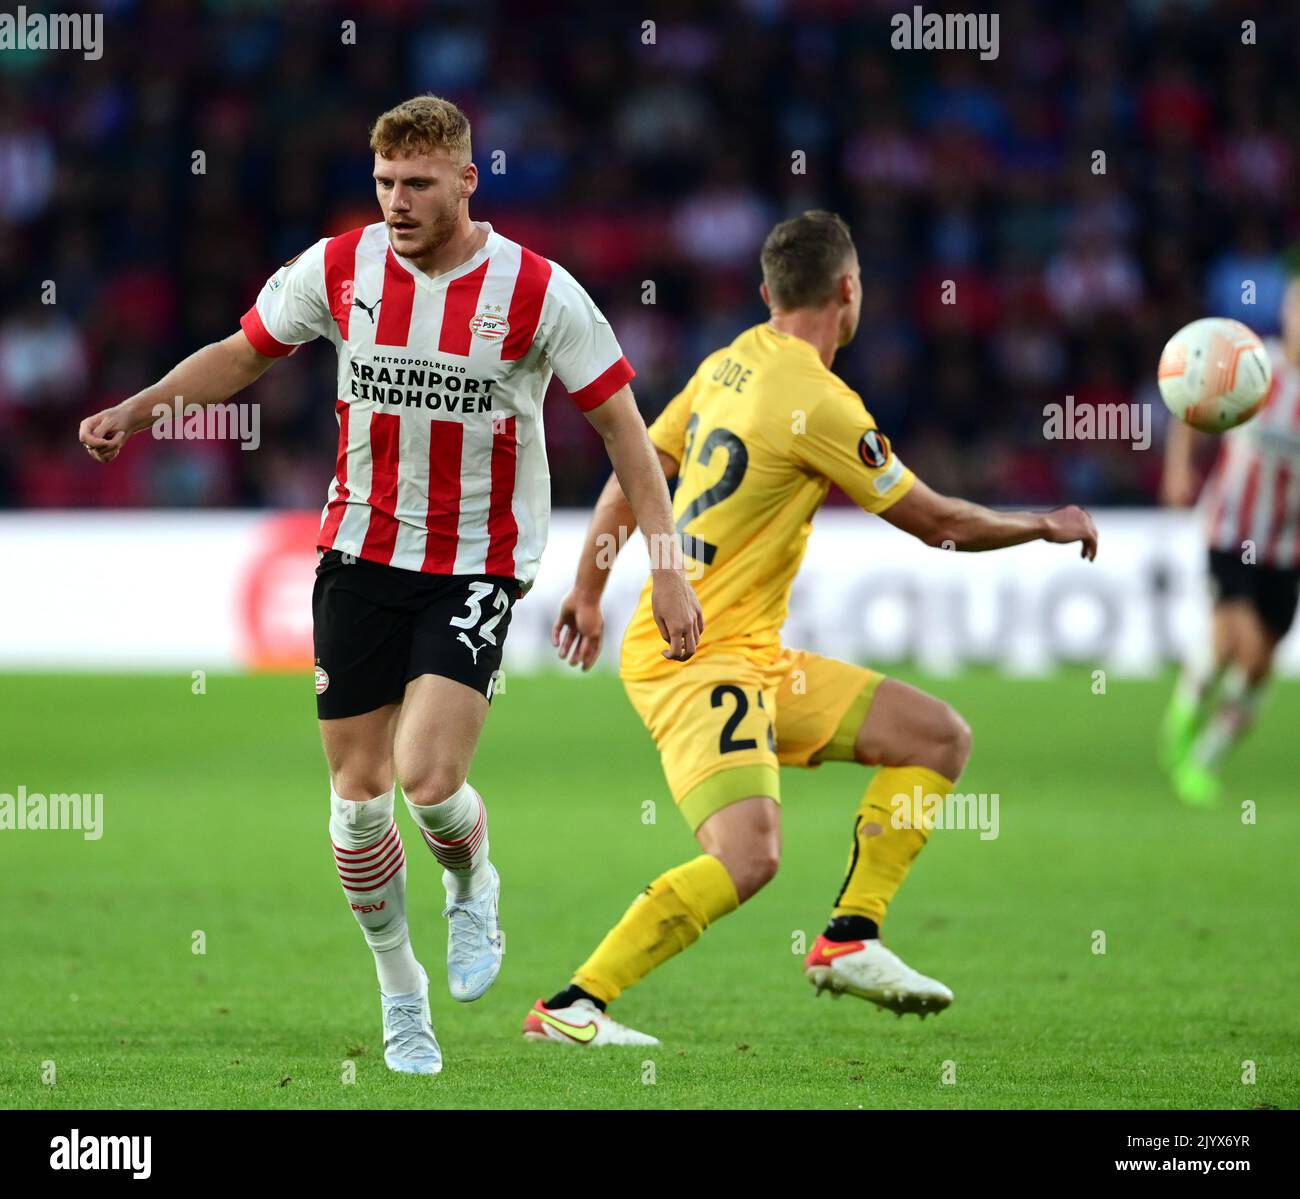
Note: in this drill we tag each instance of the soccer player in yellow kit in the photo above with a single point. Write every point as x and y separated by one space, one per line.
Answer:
755 440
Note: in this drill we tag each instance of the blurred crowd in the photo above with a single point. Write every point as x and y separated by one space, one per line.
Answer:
1118 170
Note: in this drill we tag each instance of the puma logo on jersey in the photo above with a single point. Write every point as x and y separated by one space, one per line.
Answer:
368 310
473 649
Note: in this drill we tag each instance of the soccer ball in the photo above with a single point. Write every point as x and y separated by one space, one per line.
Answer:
1214 374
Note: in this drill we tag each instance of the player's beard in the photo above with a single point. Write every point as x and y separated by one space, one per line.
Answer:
437 229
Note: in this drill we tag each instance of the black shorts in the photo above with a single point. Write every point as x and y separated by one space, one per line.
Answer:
376 627
1271 591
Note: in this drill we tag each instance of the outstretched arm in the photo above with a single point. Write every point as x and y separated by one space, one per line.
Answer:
951 523
1178 482
636 494
208 376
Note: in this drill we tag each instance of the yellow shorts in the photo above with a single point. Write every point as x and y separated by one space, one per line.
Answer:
723 724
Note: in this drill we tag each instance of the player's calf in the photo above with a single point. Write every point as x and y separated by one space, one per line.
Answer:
455 830
371 865
921 745
434 745
667 917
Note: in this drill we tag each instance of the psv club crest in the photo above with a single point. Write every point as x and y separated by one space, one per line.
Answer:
489 323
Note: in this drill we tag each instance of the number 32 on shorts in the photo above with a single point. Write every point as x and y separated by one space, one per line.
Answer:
478 592
729 695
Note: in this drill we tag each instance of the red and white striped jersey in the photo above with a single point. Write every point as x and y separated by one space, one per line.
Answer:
442 460
1253 492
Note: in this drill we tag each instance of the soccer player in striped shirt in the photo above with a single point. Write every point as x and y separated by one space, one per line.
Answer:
447 334
1250 507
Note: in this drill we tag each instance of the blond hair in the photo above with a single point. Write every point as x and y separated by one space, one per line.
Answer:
422 125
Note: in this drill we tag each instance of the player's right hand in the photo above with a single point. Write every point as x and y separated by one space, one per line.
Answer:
578 630
677 613
105 433
1072 523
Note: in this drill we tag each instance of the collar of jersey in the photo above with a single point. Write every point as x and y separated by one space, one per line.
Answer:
475 260
789 340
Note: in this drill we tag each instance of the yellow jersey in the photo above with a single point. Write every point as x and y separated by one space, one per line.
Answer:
760 433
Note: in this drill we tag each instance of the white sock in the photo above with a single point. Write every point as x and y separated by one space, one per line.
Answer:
456 831
372 868
1233 716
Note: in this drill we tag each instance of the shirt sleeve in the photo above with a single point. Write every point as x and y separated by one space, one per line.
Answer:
581 346
291 308
668 429
841 443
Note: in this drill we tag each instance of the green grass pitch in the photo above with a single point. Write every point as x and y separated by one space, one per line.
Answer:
215 820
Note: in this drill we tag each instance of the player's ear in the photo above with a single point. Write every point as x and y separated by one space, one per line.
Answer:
762 291
468 180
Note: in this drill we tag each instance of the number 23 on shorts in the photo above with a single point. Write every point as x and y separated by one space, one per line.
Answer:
734 700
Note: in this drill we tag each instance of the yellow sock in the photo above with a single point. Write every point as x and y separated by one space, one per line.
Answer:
882 853
663 920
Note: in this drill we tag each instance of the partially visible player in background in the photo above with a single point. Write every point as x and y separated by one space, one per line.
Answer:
755 439
1250 509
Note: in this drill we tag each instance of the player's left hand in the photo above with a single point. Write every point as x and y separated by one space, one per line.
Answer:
677 613
1073 524
105 433
579 629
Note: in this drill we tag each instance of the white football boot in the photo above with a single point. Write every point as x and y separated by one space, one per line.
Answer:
474 942
409 1044
581 1023
870 971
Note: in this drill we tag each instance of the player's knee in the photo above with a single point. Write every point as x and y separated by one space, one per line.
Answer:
1256 660
752 867
952 743
746 838
361 781
432 786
